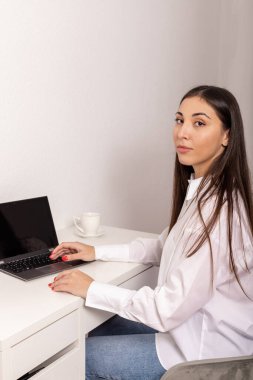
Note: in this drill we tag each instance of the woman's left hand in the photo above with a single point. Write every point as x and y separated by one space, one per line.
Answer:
74 282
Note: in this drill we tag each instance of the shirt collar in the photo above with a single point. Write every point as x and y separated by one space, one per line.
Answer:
193 186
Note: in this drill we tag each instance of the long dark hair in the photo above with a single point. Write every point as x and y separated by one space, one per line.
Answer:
228 176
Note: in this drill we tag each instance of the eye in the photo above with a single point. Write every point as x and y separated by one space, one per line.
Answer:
199 123
179 121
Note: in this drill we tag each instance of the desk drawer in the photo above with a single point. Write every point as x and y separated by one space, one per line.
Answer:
40 346
69 366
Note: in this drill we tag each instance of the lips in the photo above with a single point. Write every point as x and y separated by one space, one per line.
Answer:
183 149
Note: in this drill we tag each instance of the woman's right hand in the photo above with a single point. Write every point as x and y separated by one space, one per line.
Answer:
73 251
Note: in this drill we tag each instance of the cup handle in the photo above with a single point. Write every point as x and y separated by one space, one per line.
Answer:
76 219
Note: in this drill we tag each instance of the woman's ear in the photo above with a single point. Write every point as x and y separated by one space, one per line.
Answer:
225 139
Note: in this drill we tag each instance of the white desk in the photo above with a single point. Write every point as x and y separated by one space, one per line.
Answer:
40 327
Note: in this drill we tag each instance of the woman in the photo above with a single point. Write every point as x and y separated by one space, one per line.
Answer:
202 306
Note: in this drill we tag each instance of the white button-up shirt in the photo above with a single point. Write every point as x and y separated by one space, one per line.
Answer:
197 306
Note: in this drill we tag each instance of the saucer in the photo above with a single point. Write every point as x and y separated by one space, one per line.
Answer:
82 234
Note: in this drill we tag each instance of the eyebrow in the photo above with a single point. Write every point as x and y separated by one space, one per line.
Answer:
195 114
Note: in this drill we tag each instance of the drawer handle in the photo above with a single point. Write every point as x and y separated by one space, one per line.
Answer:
28 375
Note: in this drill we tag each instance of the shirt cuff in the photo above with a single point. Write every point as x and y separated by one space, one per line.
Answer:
112 252
108 297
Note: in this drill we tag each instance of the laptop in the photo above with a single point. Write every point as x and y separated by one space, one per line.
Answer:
27 237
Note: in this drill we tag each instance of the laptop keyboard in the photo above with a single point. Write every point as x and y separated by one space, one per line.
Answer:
27 263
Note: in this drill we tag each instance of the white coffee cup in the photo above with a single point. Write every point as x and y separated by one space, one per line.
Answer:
88 223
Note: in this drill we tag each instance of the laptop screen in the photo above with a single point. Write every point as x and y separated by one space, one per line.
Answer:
26 226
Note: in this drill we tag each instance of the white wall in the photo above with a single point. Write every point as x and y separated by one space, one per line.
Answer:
236 60
88 92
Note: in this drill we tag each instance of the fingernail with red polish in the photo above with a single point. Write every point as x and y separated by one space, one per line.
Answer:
50 284
64 258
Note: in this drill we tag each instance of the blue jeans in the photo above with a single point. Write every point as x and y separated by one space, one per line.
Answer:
122 350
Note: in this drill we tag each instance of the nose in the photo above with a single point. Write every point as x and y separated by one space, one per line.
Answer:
184 130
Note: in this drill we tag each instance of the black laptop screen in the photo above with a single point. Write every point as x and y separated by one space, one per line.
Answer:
26 226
